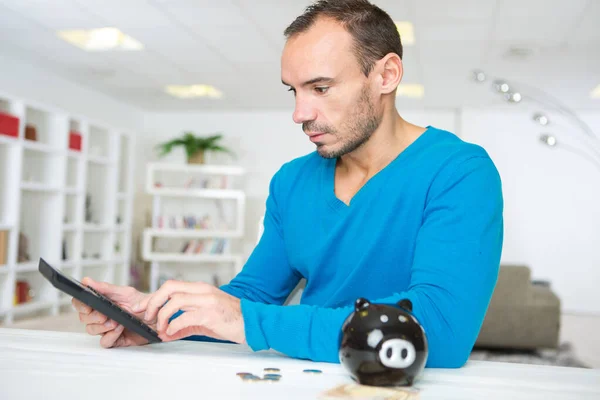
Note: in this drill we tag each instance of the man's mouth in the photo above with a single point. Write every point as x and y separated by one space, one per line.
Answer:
315 136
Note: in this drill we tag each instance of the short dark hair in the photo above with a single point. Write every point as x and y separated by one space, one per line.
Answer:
374 32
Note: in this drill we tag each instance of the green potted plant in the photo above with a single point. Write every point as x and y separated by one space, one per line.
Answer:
195 146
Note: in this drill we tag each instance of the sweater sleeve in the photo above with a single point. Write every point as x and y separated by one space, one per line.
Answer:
267 276
453 275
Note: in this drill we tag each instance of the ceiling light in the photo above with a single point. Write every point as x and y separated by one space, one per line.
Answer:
187 92
541 119
513 97
406 31
101 39
501 86
548 140
595 93
413 90
479 76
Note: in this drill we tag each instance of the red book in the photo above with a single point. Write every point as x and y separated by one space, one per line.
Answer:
22 292
9 124
75 140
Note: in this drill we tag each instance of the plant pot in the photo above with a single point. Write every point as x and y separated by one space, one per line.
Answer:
196 158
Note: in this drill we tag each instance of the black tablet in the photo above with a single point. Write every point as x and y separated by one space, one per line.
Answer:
97 301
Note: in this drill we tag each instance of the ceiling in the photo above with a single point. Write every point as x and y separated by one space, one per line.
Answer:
235 45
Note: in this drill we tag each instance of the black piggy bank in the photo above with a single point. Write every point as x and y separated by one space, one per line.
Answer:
383 345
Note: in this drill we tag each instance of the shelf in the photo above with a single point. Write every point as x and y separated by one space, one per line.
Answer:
27 266
94 262
5 139
38 187
41 147
69 228
204 169
73 191
96 228
99 160
43 192
26 308
74 154
191 233
202 193
68 264
179 257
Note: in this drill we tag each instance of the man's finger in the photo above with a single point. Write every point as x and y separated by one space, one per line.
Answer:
187 320
94 317
105 288
98 329
109 338
80 307
178 301
164 293
189 331
142 305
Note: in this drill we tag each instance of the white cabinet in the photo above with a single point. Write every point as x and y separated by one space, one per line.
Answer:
197 222
71 207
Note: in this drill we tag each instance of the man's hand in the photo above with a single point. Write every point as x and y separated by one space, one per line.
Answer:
113 334
208 311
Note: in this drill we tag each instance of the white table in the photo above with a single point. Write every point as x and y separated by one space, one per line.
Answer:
63 366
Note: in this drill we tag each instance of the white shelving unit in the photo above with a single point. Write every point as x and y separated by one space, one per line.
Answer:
43 190
200 208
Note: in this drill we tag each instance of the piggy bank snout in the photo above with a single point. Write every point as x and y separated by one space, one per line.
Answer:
397 353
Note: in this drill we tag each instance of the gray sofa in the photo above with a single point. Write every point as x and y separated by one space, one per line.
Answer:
522 314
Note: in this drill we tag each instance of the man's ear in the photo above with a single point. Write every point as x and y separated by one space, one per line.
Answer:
391 70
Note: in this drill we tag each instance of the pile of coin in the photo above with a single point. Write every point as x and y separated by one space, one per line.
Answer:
270 375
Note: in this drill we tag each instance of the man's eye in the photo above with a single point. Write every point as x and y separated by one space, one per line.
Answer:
292 90
321 89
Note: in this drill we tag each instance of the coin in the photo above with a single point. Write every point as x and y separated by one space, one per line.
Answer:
271 380
313 371
272 376
243 373
271 369
250 378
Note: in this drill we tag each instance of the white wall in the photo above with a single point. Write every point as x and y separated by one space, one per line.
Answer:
263 142
25 80
552 197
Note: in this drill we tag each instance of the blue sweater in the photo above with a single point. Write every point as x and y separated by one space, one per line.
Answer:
428 227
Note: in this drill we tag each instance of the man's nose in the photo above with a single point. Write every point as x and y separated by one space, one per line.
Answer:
304 112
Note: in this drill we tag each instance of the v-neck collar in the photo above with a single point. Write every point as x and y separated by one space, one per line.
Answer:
329 175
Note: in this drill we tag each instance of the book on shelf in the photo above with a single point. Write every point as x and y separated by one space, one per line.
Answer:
215 182
23 292
9 124
205 246
187 222
3 247
75 139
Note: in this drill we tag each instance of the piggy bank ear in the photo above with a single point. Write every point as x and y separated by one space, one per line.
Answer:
406 304
361 304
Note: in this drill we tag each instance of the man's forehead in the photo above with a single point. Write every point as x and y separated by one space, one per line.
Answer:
324 48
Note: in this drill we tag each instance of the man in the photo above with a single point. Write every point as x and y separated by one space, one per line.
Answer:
383 209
